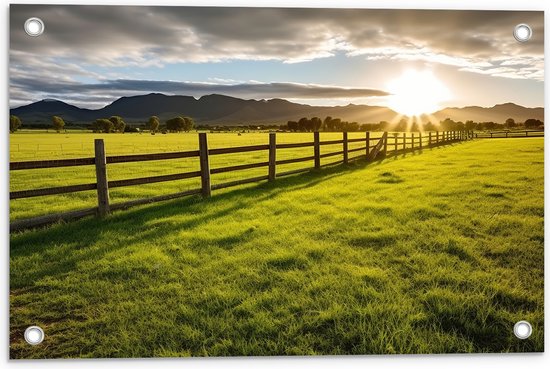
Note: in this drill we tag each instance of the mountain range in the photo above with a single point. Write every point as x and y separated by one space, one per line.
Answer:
226 110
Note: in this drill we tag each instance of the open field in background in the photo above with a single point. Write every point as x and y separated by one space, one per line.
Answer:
429 252
41 146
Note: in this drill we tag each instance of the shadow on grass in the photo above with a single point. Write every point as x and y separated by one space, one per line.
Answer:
86 232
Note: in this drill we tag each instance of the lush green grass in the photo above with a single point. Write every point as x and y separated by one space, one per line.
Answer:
439 251
45 146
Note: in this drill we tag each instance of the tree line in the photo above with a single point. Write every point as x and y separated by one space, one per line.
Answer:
117 124
337 125
179 124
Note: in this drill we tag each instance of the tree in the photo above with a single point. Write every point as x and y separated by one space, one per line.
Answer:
354 126
153 123
532 123
448 124
58 123
292 125
491 125
175 124
327 124
316 123
429 127
336 124
188 124
118 123
510 122
103 125
470 125
384 125
15 123
303 124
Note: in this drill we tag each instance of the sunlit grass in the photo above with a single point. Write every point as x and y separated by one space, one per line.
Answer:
432 252
47 146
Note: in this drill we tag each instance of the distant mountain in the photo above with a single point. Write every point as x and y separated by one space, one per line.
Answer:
42 111
498 113
226 110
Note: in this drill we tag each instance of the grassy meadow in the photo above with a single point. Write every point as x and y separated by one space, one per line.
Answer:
430 252
25 146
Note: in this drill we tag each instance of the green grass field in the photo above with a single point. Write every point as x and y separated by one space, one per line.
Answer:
26 146
430 252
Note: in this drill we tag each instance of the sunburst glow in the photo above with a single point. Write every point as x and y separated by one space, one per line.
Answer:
417 92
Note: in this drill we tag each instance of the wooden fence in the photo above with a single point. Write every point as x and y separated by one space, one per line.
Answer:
510 134
401 143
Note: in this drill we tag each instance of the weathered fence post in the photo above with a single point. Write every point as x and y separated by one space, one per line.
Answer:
436 137
272 155
316 150
367 139
430 139
101 177
345 138
404 141
205 165
412 141
395 145
420 138
385 136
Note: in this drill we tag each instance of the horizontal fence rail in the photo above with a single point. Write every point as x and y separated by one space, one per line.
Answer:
372 149
510 134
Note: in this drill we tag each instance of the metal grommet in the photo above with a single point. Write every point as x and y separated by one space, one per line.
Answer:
522 32
34 335
523 329
34 26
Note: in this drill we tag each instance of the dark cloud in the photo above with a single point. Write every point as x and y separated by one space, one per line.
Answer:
193 33
137 36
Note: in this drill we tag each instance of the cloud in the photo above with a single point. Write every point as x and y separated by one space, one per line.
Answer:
109 90
80 37
111 35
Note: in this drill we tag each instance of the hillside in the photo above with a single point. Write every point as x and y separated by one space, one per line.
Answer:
226 110
498 113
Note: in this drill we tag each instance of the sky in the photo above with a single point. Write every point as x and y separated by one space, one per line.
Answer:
91 55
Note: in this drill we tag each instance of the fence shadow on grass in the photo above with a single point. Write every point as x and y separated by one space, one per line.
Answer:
147 220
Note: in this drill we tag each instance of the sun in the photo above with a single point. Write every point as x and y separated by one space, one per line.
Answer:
416 92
